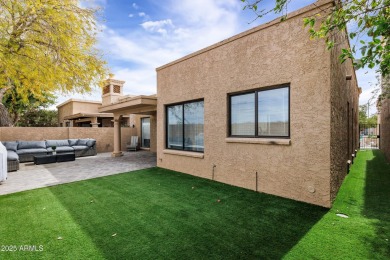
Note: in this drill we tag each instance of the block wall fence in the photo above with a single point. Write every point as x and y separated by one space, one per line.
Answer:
104 135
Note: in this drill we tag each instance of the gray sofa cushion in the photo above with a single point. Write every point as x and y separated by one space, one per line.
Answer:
82 142
72 142
62 149
12 156
11 145
91 142
31 145
80 147
57 143
31 151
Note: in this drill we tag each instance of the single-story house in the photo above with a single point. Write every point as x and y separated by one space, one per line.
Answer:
268 109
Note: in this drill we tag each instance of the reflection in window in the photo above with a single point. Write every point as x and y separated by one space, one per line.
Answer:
193 126
273 112
260 113
243 114
189 137
175 127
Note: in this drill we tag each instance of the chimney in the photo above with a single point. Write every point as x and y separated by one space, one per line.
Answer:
112 90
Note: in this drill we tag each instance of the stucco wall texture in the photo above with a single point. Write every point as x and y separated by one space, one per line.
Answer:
385 127
73 107
104 136
64 111
344 114
272 54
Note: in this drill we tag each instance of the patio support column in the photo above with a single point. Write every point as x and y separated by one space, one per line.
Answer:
94 122
117 136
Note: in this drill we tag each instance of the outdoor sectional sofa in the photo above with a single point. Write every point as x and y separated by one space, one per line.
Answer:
24 151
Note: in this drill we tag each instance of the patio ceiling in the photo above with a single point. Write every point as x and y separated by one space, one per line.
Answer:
132 105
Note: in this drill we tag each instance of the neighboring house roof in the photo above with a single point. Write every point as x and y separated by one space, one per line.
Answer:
80 115
88 115
79 101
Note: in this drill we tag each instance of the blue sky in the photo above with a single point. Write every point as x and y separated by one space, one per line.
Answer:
139 36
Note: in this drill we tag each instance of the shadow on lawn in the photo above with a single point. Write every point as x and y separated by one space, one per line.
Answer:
377 201
156 213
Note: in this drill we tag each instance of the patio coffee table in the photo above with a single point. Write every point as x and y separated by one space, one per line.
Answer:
50 158
42 159
66 157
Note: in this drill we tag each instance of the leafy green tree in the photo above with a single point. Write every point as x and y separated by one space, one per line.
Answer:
47 46
39 118
18 107
372 119
362 114
372 19
363 119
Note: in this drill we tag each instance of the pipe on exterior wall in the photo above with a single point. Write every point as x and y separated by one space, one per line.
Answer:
257 181
212 177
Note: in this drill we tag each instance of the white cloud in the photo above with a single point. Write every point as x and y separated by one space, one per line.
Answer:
131 15
138 81
135 6
144 51
206 11
158 26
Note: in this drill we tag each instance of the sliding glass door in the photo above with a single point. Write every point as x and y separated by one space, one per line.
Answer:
145 132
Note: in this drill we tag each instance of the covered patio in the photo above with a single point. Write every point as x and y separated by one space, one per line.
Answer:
90 119
144 106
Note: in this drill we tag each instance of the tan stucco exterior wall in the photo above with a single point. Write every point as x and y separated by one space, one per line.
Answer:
385 127
262 57
85 107
153 133
344 115
72 107
104 135
63 111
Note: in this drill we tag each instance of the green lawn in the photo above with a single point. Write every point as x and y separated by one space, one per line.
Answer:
156 213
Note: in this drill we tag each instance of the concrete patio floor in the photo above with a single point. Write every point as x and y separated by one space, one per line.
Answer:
32 176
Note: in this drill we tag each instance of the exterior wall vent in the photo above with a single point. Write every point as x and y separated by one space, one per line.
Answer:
106 89
117 89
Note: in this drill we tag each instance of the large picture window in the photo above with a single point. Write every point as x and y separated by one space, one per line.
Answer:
261 113
185 123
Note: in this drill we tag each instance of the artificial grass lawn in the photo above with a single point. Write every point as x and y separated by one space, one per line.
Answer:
365 198
156 213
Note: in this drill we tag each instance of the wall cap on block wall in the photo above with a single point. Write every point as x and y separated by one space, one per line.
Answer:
258 141
184 153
